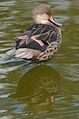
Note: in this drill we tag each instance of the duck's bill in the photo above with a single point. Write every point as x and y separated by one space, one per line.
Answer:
53 21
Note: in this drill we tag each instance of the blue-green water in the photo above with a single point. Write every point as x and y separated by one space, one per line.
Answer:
39 91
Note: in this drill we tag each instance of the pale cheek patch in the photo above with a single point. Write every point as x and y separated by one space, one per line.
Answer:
41 19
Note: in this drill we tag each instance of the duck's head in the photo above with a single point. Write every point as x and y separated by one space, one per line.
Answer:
42 14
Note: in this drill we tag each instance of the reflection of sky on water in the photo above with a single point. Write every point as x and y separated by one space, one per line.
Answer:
61 5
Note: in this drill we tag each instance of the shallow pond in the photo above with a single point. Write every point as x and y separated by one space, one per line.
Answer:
30 90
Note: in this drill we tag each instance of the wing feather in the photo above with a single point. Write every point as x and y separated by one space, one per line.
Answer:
42 34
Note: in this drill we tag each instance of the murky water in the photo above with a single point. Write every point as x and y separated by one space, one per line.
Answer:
32 91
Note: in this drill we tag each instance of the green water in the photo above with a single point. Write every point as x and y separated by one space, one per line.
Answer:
39 91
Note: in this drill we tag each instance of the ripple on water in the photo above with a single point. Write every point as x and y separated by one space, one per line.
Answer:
73 70
8 3
76 19
15 16
61 5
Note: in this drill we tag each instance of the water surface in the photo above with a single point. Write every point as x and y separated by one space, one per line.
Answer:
32 91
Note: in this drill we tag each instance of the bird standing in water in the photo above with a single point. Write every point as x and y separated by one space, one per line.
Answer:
40 41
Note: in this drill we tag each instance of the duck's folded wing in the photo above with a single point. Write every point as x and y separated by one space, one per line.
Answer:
45 33
23 39
30 41
39 37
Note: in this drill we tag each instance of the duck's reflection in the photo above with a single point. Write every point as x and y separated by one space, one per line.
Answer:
38 86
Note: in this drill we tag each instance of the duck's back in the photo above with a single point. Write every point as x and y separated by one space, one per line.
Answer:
39 42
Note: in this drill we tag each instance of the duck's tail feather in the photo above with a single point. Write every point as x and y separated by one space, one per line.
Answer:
20 53
24 53
11 52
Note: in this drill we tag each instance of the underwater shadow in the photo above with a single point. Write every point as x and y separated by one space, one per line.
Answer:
38 87
40 80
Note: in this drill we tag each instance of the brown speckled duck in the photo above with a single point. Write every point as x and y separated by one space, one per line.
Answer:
40 41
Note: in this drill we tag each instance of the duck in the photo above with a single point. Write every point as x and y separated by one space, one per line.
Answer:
42 40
